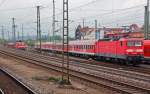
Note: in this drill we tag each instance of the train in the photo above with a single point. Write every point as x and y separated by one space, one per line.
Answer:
17 45
125 50
146 49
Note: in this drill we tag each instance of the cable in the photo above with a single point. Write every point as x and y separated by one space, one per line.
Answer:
107 13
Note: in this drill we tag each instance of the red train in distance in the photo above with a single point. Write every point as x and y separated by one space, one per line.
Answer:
17 45
127 50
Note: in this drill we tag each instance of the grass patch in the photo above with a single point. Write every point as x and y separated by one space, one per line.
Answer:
53 79
59 81
56 80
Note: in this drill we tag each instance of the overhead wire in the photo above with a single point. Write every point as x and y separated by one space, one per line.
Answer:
75 8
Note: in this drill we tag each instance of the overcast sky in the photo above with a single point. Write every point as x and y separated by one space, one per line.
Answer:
109 13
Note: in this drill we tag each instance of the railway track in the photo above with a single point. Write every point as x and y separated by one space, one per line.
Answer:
101 80
120 72
102 69
1 92
11 85
139 69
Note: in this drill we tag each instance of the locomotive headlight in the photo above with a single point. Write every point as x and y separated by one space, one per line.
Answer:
139 50
129 50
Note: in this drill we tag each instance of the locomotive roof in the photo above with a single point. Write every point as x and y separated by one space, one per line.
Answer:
146 42
75 42
120 39
82 42
131 39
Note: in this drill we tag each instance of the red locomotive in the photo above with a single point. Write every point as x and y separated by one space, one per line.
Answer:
128 50
17 45
146 48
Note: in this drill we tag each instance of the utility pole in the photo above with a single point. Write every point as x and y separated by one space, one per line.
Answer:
65 40
13 29
145 24
83 23
22 32
96 30
39 27
8 35
146 30
3 33
148 19
3 39
38 7
18 35
53 25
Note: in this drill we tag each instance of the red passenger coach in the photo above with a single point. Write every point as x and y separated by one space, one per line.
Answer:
130 50
85 48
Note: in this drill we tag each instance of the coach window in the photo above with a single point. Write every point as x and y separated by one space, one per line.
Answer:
92 46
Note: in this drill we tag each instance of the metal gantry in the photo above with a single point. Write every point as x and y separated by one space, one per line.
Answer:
65 40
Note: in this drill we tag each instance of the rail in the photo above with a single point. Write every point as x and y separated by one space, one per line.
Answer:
29 90
83 76
1 91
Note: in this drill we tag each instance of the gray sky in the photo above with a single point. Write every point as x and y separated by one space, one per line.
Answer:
109 13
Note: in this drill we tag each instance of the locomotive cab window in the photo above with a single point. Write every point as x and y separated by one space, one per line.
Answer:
138 43
134 43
